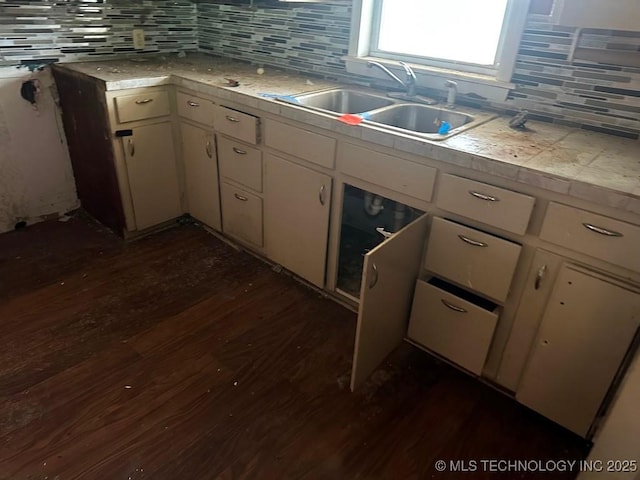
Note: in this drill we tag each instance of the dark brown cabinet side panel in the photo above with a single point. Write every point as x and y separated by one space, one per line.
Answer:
85 120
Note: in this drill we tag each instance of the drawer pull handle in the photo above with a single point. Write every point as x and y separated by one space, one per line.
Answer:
132 148
602 231
232 119
470 241
240 197
191 103
374 276
239 152
143 101
453 307
321 195
541 271
483 196
208 149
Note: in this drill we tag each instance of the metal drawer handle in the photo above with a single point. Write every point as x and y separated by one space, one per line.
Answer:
483 196
602 231
132 148
453 307
374 276
470 241
192 103
143 101
240 197
232 119
208 149
541 271
239 152
321 194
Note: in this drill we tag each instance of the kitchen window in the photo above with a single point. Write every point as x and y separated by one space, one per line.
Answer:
470 40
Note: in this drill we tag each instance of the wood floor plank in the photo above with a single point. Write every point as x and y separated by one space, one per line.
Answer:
177 356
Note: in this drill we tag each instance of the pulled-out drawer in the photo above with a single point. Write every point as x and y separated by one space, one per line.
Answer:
241 214
485 203
387 171
300 143
452 323
595 235
240 125
240 163
151 104
472 259
195 108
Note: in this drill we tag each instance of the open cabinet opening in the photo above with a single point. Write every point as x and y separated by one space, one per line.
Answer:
367 220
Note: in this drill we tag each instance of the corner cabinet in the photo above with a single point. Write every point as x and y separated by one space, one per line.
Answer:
297 206
122 146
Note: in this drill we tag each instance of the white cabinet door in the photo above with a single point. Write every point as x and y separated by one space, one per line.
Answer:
201 173
386 293
585 333
153 177
296 217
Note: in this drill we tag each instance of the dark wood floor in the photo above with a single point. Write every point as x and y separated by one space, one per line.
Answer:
178 357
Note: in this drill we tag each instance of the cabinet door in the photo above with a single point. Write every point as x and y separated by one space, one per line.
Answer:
201 172
584 336
153 178
388 282
296 217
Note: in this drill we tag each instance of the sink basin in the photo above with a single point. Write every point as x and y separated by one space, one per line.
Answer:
420 118
342 100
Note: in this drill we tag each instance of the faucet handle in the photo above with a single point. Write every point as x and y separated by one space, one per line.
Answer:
411 76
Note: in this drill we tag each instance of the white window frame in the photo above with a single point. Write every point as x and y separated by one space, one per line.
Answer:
490 82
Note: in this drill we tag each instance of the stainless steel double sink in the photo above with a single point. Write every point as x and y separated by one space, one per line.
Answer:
384 112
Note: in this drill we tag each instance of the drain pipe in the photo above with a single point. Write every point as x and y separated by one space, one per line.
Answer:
398 216
372 204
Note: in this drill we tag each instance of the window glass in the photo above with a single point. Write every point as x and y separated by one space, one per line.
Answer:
466 31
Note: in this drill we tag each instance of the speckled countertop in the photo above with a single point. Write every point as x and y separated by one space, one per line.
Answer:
591 166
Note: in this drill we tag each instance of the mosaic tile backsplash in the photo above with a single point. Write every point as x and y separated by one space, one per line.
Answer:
51 30
312 38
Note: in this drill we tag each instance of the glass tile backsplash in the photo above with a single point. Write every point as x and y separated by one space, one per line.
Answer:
599 89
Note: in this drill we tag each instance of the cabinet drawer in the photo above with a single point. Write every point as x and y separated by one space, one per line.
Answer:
457 329
195 108
237 124
485 203
387 171
240 163
141 106
241 214
472 259
596 235
300 143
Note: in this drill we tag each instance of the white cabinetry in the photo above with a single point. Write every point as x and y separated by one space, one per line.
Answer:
152 174
199 157
585 333
297 206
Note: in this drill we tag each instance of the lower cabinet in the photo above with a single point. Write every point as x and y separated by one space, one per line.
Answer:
586 331
241 214
296 224
201 175
153 178
388 281
452 323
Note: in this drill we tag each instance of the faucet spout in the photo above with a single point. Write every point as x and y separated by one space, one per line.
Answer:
387 71
409 84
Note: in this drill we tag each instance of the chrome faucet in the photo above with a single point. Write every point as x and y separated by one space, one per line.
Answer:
452 90
409 84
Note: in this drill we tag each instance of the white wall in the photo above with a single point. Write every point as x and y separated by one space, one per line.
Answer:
619 437
36 178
